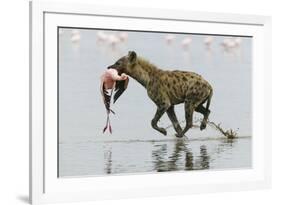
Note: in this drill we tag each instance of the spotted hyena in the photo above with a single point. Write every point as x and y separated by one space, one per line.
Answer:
167 89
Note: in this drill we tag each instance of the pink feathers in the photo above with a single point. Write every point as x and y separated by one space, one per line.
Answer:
110 76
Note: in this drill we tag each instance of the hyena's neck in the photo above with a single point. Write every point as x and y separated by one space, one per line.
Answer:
143 71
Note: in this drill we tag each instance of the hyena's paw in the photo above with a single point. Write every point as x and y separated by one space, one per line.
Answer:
203 125
163 131
179 135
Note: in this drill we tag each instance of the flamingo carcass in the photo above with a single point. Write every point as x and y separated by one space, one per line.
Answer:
110 80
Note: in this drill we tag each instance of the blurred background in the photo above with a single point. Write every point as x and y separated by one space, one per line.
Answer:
84 54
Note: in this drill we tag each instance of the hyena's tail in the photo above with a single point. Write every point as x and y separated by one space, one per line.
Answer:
209 99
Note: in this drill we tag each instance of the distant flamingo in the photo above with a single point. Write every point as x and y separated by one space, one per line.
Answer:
238 41
228 44
208 41
231 43
102 36
113 40
225 43
169 38
123 36
186 42
75 36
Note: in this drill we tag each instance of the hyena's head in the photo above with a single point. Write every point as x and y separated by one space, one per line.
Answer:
125 64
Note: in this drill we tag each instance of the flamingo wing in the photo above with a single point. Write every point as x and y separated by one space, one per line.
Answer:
120 87
106 96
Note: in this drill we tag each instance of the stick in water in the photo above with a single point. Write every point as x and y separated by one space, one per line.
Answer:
230 134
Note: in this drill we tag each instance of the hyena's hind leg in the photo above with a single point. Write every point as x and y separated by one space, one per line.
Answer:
204 111
172 116
201 109
159 113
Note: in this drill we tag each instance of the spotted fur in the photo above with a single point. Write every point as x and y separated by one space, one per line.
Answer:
167 89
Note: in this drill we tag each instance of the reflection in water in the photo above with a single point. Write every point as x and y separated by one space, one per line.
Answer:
204 158
119 157
188 161
226 144
108 162
180 159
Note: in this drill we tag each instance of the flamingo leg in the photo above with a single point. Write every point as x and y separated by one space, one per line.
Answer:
108 125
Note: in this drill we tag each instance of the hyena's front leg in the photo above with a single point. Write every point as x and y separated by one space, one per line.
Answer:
172 116
189 109
159 113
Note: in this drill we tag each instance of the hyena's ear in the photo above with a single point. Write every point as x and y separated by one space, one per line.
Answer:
132 56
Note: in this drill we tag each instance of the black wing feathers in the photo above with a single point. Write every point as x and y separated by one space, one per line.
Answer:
106 97
120 87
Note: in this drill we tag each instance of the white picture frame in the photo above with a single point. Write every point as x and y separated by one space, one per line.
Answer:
45 186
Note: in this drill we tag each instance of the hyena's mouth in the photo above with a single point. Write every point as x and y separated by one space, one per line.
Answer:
119 70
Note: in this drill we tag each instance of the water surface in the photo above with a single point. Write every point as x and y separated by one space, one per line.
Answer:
139 156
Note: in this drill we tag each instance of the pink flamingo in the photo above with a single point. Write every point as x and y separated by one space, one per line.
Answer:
208 41
186 42
75 36
123 36
111 80
231 43
113 40
169 38
102 36
238 41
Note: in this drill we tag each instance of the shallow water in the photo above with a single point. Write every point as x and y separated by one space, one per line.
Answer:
134 146
119 157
